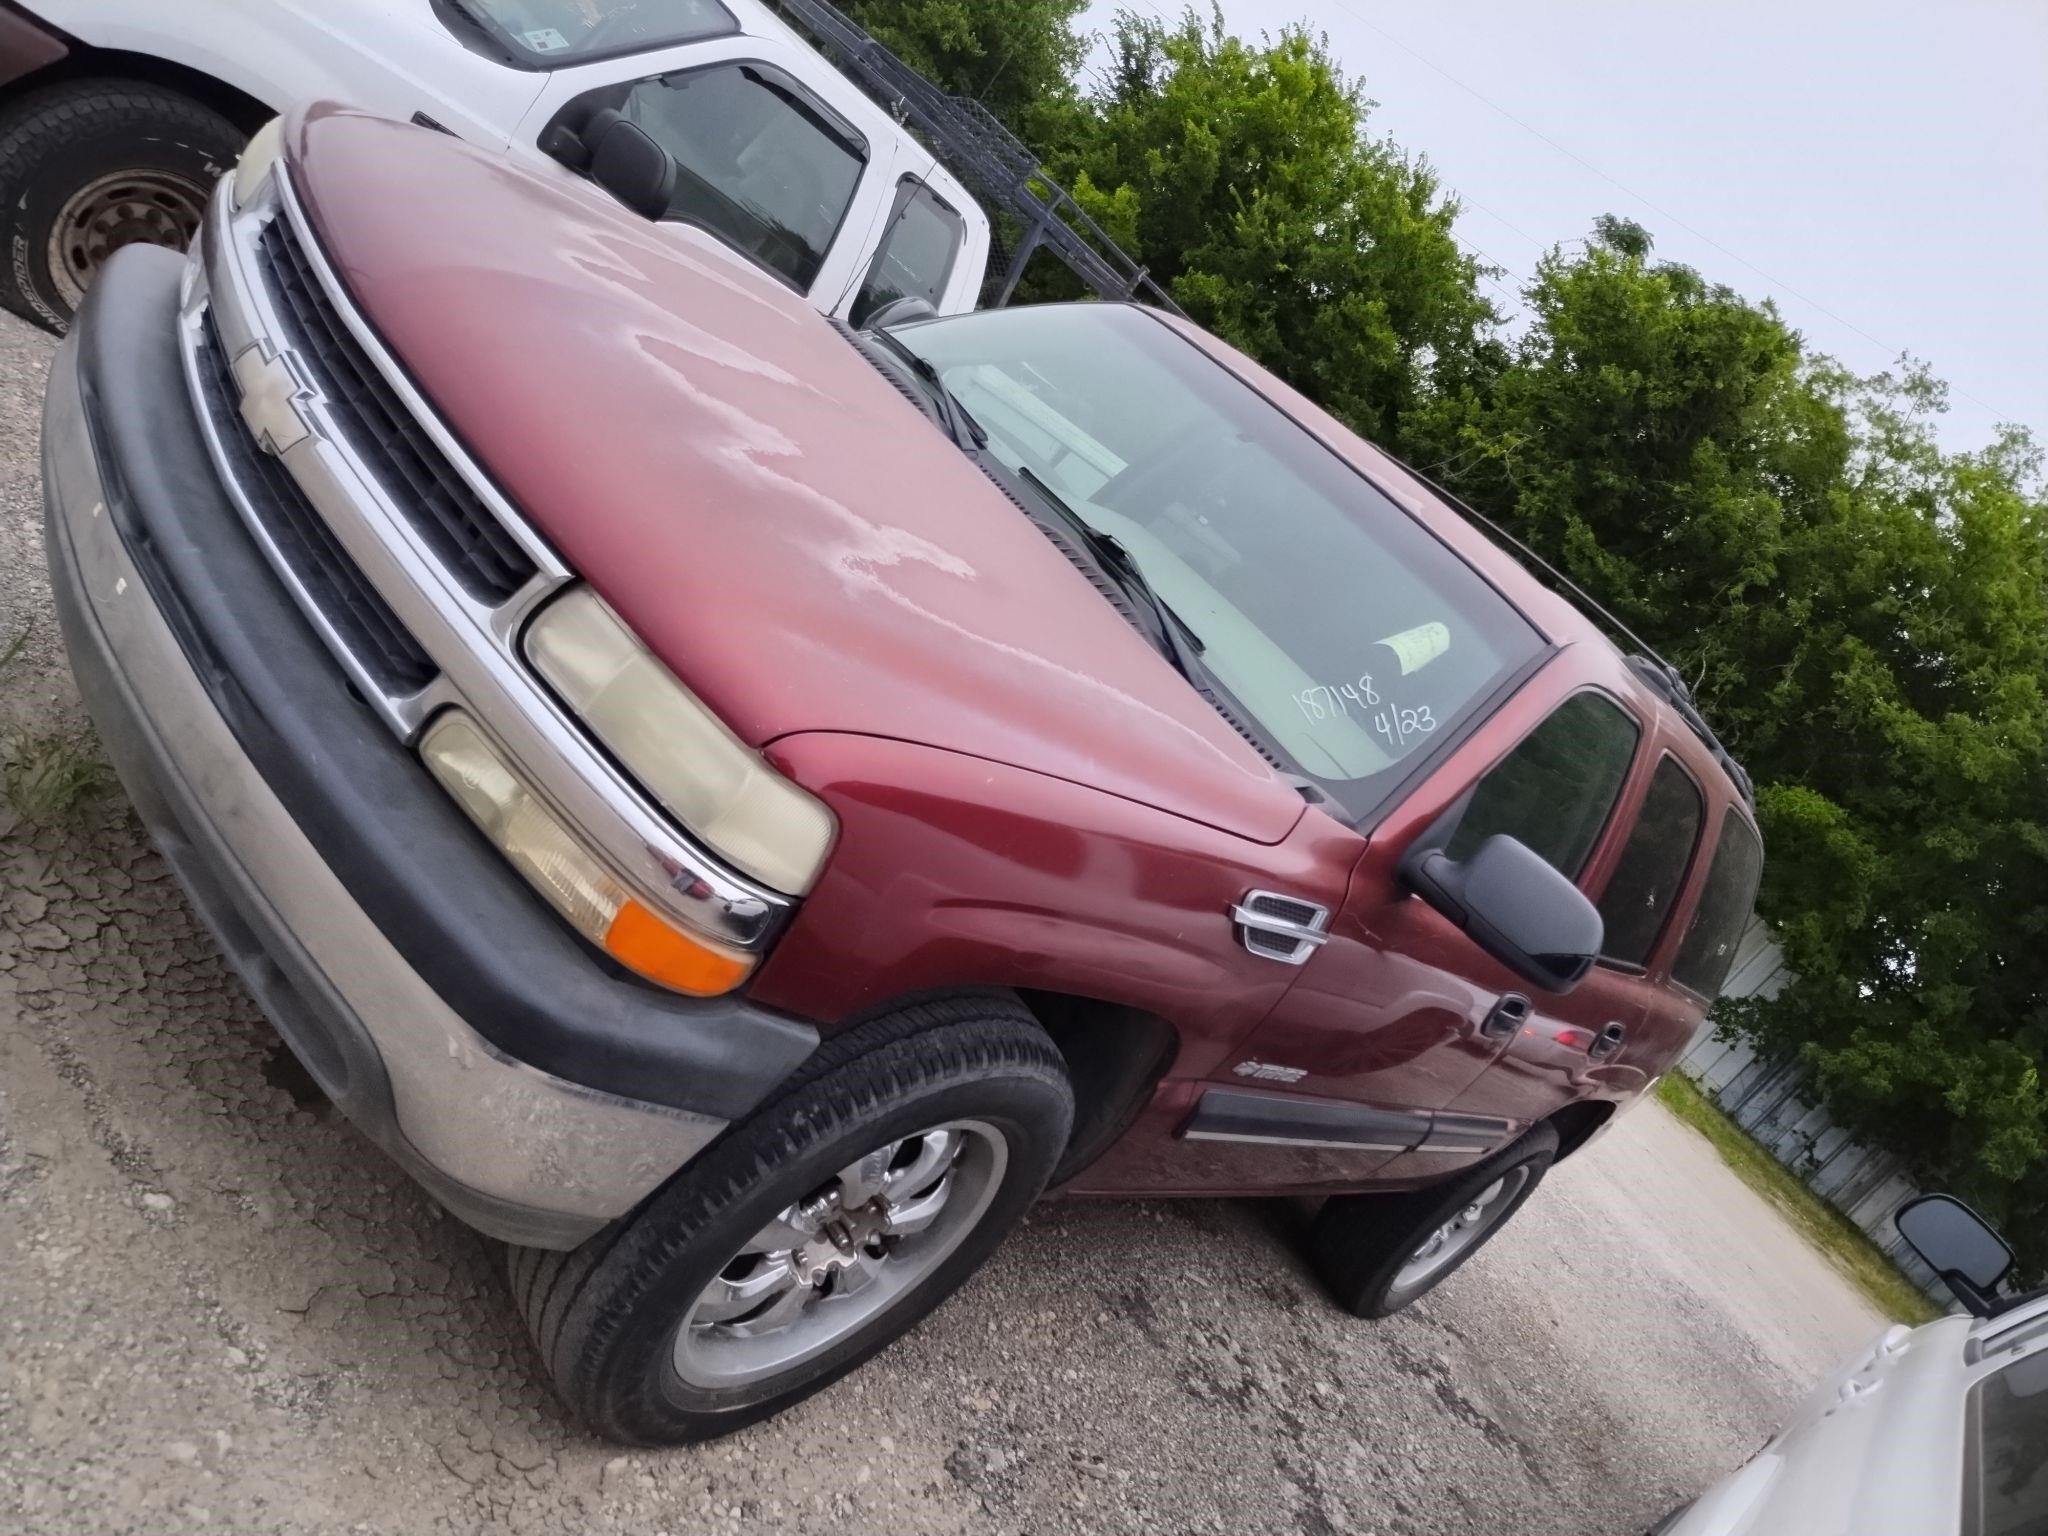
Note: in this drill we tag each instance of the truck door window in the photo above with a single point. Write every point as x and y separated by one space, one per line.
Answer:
759 162
917 253
1724 910
1556 789
1652 869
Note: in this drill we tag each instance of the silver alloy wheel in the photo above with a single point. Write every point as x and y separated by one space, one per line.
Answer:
1460 1235
125 208
838 1258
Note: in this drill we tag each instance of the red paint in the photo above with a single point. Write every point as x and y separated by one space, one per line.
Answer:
1028 795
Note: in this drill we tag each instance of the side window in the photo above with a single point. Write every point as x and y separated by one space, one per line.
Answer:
759 162
917 253
1724 910
1652 868
1557 788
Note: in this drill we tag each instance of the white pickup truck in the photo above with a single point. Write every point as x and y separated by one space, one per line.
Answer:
117 116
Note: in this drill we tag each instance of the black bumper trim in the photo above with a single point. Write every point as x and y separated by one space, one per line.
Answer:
1236 1114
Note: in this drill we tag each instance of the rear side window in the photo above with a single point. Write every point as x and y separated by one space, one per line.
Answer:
1556 790
1652 868
2006 1491
917 253
759 161
1724 910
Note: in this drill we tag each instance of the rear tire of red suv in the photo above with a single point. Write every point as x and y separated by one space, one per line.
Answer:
813 1233
1378 1254
88 166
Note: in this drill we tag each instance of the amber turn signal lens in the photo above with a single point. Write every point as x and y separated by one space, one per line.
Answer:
642 942
575 883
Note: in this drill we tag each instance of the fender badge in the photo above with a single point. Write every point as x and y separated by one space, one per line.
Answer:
1266 1072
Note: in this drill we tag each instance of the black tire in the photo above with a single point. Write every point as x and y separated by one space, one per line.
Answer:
150 150
606 1317
1359 1244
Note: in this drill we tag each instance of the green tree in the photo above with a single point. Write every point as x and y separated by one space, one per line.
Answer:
1016 57
1242 176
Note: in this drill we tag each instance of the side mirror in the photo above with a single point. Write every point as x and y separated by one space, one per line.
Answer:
627 162
896 312
1514 906
1960 1246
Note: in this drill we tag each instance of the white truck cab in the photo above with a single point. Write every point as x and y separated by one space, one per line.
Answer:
116 116
1933 1431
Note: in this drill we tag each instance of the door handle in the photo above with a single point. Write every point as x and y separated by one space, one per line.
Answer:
1608 1042
1507 1018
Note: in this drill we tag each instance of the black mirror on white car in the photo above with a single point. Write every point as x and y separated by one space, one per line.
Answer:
627 162
1515 906
1960 1246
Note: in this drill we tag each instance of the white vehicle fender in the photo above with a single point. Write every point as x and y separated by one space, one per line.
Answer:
392 59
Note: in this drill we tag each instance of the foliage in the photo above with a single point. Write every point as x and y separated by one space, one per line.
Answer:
1242 176
1016 57
50 775
45 775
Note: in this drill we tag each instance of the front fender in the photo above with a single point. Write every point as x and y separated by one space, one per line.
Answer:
954 871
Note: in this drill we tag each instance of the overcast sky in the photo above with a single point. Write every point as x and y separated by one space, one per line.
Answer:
1879 167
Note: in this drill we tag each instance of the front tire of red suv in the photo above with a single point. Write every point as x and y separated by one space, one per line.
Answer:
1378 1254
813 1233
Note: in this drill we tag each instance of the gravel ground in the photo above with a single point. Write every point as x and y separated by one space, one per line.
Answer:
222 1310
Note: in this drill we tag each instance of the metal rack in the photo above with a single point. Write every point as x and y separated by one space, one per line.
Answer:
992 162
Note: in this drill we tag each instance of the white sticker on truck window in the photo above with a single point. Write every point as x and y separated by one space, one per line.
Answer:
545 40
1416 648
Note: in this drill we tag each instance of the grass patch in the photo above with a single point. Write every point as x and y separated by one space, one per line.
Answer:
1836 1238
50 775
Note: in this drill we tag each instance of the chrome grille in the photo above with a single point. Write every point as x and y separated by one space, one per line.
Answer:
476 547
333 582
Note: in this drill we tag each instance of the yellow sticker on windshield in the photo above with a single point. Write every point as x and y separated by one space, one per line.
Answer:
1416 648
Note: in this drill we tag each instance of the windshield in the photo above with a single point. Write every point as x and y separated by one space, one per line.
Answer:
551 33
2006 1493
1347 634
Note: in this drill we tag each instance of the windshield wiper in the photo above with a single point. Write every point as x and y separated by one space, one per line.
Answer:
960 423
1183 646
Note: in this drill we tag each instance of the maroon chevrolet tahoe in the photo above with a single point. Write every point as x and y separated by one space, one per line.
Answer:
739 807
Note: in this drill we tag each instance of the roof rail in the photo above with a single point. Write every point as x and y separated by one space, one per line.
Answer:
1652 668
994 164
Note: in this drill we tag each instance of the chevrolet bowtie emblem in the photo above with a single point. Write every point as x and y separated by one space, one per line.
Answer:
271 396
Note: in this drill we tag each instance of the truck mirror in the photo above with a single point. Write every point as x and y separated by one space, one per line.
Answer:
627 162
1515 906
1958 1245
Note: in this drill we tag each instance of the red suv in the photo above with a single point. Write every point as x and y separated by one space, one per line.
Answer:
739 806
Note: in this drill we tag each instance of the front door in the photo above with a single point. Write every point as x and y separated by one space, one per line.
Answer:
1400 1012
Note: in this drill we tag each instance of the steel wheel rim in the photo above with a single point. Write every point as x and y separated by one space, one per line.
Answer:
829 1264
124 208
1474 1222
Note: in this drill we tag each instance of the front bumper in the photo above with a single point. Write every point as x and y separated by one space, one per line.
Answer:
534 1090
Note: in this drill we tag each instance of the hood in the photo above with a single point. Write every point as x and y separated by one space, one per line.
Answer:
1877 1450
788 533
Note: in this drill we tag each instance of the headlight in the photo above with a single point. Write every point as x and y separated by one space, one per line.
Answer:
258 160
557 865
710 781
